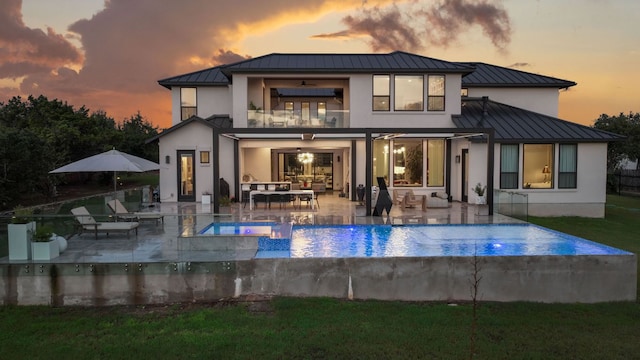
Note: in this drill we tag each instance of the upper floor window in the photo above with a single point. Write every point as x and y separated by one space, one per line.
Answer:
188 103
408 93
381 98
322 111
436 93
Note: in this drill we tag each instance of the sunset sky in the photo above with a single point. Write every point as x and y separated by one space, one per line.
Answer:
108 54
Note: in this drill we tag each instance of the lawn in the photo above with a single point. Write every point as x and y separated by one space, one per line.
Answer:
319 328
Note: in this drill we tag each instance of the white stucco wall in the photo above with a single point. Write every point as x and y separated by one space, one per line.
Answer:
540 100
211 100
198 137
362 114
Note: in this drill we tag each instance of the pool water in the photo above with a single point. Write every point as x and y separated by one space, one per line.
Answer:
248 229
346 241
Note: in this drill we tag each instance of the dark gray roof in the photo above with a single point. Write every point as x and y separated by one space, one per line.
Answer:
306 92
214 121
487 75
513 124
207 77
345 63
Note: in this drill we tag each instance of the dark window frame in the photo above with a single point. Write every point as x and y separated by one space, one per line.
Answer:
571 176
381 97
443 96
504 174
187 112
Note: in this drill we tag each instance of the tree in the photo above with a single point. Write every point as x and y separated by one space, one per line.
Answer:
626 125
38 135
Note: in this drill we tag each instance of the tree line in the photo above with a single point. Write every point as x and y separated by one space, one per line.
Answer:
38 135
627 125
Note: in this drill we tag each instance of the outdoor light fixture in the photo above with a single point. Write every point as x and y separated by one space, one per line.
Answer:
457 159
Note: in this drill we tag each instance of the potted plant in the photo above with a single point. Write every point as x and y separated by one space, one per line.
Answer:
206 198
481 199
20 232
480 193
43 244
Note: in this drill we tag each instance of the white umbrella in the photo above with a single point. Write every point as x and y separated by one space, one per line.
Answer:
112 160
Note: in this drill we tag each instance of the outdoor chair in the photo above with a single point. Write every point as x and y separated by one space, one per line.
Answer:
88 223
121 212
411 200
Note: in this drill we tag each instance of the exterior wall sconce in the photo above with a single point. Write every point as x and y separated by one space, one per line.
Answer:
167 159
457 159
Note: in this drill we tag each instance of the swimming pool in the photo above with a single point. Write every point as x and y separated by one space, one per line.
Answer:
348 241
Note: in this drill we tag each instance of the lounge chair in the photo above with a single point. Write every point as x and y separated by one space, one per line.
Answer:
87 222
121 212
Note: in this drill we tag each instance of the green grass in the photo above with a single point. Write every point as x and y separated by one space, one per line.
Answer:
323 329
320 328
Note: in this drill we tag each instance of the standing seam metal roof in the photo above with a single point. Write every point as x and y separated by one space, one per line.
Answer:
487 75
513 124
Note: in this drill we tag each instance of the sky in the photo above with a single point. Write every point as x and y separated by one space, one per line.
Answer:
107 55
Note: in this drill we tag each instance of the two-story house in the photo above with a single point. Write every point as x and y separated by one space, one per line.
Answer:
347 119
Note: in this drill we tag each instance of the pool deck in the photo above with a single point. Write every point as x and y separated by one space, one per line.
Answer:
153 267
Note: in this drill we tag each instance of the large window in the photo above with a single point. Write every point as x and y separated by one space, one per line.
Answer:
407 163
568 166
435 162
538 166
305 112
435 101
509 156
188 103
408 93
381 159
381 99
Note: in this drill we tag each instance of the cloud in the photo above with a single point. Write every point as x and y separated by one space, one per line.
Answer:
385 26
414 26
227 57
24 51
519 65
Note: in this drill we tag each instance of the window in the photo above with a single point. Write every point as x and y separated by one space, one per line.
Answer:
568 166
408 93
407 163
188 103
464 92
435 101
381 159
509 166
381 98
306 112
537 170
204 157
322 111
435 162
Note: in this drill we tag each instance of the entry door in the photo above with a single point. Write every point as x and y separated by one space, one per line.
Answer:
186 175
465 175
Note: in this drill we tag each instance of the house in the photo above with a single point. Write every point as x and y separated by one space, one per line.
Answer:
345 119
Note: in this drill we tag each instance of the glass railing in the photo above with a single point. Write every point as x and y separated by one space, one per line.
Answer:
511 203
288 119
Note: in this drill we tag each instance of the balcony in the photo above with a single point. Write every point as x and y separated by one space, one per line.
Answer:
289 119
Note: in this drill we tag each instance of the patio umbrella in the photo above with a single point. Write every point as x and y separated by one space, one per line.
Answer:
112 160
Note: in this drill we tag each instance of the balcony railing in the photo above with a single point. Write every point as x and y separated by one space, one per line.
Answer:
511 203
289 119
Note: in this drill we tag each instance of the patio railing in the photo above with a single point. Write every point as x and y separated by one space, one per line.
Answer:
511 203
294 119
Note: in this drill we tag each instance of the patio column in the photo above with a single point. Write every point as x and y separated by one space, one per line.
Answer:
490 168
368 170
216 169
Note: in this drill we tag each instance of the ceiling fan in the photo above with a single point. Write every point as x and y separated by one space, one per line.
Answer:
303 83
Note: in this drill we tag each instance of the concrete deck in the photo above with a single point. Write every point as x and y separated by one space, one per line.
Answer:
152 267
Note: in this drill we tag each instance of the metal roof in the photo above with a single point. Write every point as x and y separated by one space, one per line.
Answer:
345 63
207 77
513 124
487 75
213 121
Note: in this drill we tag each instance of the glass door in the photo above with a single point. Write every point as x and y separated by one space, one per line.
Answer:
186 175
